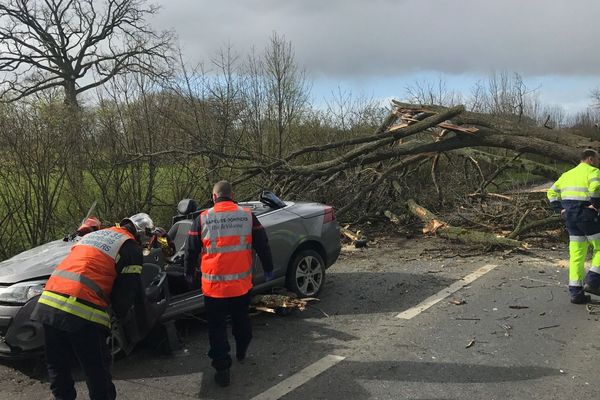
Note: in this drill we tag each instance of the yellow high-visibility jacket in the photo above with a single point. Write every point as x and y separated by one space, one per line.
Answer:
578 187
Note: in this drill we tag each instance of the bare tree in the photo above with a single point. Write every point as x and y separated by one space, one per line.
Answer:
426 92
74 44
505 94
595 95
255 99
552 116
287 85
225 99
33 171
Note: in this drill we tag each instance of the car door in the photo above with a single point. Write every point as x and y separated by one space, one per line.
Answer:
283 230
151 303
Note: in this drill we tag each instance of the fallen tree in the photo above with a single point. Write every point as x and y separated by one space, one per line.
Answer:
412 133
435 226
444 156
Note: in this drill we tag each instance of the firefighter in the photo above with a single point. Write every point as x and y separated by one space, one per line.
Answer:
576 195
225 236
74 305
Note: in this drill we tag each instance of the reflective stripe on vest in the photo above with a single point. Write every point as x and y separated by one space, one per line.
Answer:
226 249
226 278
574 193
574 189
69 304
132 269
83 280
575 197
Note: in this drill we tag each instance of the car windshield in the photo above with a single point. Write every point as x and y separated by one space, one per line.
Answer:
270 199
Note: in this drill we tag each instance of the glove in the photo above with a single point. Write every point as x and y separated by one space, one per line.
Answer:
177 258
268 276
191 278
160 232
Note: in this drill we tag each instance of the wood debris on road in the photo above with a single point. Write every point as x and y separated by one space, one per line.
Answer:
278 303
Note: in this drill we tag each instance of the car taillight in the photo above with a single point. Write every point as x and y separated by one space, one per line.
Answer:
329 214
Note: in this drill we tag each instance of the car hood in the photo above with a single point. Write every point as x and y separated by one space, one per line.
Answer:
35 263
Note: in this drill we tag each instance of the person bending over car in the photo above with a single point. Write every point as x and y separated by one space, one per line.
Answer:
74 305
225 236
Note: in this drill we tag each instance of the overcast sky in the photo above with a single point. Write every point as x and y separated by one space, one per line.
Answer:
380 46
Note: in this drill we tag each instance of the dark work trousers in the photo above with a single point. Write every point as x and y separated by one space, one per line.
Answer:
582 222
217 310
88 346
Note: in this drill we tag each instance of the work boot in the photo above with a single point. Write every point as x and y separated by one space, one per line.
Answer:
592 283
222 378
581 298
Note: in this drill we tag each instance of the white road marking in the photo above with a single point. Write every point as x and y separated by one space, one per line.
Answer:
300 378
442 294
286 386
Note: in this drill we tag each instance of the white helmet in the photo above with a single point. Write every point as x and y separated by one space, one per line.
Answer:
143 225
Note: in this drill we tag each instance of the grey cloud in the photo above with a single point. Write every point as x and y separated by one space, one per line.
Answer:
351 38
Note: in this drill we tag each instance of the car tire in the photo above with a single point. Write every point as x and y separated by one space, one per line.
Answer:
306 273
114 340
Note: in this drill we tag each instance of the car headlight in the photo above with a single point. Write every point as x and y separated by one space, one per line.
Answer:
22 292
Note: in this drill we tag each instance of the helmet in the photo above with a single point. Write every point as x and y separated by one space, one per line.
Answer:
90 224
143 225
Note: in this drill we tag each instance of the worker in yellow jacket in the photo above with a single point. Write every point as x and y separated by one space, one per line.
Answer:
576 195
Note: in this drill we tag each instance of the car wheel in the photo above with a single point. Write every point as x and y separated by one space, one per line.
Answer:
114 340
306 273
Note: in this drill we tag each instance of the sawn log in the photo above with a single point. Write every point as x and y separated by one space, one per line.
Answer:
433 225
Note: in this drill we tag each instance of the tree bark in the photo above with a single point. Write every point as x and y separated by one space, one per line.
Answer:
436 226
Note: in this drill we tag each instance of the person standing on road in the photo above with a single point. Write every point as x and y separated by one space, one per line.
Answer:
576 195
225 236
74 305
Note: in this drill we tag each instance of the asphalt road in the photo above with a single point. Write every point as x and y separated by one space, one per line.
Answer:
516 337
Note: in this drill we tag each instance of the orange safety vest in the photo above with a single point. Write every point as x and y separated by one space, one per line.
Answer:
226 263
89 271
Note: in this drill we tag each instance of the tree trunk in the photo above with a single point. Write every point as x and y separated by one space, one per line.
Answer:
436 226
71 95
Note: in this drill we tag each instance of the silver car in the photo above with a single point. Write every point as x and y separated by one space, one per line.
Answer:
304 239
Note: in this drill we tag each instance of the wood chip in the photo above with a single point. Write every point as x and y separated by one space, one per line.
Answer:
397 127
506 328
433 226
265 309
593 309
349 234
458 128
